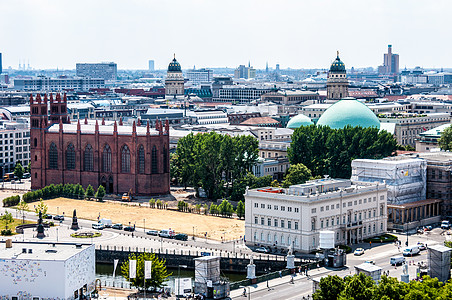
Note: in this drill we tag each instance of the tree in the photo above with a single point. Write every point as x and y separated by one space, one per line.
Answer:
100 193
359 287
152 203
28 167
445 140
19 171
7 218
240 209
159 273
89 193
330 288
226 208
297 174
22 207
41 207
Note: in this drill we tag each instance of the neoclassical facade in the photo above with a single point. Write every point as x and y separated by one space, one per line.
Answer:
337 82
174 82
120 157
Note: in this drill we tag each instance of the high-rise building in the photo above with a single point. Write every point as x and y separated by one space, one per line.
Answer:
390 63
151 65
107 71
200 76
337 82
244 72
174 82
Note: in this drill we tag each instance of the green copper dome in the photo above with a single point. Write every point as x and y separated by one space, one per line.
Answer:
337 66
299 120
348 111
174 66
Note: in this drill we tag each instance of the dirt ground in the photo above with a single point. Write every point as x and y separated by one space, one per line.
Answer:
216 227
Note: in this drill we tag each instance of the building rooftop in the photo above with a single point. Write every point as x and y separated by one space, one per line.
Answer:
41 251
103 129
260 120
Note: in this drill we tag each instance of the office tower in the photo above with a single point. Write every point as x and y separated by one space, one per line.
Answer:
107 71
151 65
200 76
390 63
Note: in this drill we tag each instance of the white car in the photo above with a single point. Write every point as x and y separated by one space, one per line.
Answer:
359 251
262 250
98 226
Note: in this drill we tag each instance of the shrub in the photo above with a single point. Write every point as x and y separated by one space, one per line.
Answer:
11 201
6 232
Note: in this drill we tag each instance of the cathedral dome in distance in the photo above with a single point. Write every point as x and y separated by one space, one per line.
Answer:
298 121
174 65
337 66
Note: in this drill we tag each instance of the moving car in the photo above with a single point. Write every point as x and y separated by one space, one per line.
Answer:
47 216
421 246
58 218
107 222
152 232
167 233
359 251
445 225
370 262
129 228
98 226
26 175
181 237
410 251
262 250
125 197
397 260
117 226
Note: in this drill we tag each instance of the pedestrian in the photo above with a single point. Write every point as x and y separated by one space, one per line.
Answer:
280 274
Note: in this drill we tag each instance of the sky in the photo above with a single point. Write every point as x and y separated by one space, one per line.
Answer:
211 33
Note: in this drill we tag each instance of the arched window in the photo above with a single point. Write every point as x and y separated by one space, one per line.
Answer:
88 164
70 157
36 142
106 159
141 162
53 156
154 160
165 160
125 159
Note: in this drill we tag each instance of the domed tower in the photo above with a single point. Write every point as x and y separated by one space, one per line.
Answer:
174 82
337 83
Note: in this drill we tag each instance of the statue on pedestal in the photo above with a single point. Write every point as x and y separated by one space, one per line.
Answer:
74 225
40 227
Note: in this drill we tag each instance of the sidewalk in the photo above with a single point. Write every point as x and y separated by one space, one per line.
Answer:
273 283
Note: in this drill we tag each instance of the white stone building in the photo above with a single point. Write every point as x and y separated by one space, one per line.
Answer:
281 218
46 271
14 145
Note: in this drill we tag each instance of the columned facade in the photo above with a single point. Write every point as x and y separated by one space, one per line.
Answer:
414 214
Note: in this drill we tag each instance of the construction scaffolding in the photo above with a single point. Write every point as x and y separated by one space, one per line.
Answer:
208 281
405 177
439 262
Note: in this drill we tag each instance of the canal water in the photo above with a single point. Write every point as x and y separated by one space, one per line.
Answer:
105 273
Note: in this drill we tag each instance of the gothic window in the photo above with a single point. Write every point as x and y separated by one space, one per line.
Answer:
35 142
88 158
70 157
141 162
125 159
53 156
106 159
154 160
165 160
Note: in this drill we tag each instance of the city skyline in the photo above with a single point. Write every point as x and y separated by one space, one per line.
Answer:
59 34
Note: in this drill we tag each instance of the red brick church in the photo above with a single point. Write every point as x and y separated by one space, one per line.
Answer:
119 157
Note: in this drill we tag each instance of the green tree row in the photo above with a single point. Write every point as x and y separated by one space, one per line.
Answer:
362 287
214 162
324 150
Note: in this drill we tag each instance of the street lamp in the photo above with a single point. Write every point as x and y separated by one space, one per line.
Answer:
193 232
144 221
249 292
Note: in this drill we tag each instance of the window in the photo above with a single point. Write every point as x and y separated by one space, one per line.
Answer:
343 204
88 164
262 205
276 223
381 226
321 208
297 209
360 216
355 202
282 223
256 205
382 197
327 207
313 210
283 208
289 209
360 201
275 207
374 227
313 225
255 220
165 160
141 161
350 203
262 221
327 223
154 162
296 226
269 206
332 206
321 224
374 214
53 156
289 224
269 222
106 159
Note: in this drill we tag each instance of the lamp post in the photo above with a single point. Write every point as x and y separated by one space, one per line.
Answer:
193 232
248 288
144 221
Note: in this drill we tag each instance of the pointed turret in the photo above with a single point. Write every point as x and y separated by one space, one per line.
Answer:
96 128
120 121
78 126
86 120
103 121
139 122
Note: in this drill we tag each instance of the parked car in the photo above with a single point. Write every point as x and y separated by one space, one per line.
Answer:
445 225
181 237
58 218
152 232
125 197
397 260
410 251
370 262
107 222
117 226
421 246
359 251
129 228
47 216
262 250
98 226
167 233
